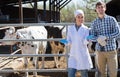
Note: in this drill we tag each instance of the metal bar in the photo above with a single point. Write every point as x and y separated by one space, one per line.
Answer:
37 24
43 24
22 40
39 70
37 55
32 55
31 70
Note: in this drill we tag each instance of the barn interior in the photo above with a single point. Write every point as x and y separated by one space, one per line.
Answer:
10 13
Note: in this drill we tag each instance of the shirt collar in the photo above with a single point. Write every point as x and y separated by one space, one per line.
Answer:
77 27
103 17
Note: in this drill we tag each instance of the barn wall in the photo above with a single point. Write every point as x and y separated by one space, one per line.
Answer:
28 14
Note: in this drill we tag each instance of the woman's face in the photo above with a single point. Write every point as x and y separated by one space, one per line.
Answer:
79 18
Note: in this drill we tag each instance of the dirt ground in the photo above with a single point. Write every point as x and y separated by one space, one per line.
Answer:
49 64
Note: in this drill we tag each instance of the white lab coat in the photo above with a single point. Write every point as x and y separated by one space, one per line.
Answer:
79 57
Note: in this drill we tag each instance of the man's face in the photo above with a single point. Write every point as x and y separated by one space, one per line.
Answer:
100 9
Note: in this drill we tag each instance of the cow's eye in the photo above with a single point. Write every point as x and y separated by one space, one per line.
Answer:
32 45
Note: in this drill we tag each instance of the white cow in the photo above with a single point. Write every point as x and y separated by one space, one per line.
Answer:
30 47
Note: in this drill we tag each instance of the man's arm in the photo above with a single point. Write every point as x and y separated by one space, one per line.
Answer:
116 30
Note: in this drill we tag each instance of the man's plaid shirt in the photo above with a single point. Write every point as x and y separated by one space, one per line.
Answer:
108 27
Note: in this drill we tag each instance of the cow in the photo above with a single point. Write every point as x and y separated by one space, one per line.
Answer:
56 46
29 47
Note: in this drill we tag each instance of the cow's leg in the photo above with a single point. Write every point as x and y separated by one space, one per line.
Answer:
26 66
55 50
56 62
63 58
60 48
43 58
42 50
35 59
35 62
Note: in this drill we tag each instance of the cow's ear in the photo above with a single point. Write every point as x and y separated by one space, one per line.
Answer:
47 27
62 28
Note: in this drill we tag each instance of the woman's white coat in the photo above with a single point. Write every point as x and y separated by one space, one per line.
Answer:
79 57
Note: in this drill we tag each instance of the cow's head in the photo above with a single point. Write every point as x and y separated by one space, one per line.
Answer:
9 34
10 30
24 34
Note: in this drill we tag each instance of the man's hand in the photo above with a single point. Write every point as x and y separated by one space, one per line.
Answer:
102 40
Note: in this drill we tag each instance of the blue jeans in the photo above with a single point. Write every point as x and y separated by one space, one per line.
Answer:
72 71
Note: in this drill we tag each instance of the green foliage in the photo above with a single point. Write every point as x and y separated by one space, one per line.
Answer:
67 14
88 6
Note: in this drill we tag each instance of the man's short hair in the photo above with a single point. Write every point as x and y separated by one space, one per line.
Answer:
100 3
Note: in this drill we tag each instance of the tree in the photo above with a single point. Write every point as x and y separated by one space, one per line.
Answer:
90 10
67 13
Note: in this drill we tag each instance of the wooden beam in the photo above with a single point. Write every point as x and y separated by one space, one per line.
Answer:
20 11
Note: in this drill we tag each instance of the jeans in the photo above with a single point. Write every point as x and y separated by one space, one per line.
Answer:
72 71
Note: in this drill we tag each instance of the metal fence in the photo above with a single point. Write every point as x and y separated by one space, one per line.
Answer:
40 55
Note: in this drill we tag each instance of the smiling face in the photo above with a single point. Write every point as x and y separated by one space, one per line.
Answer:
79 19
100 8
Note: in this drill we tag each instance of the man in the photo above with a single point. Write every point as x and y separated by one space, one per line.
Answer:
105 28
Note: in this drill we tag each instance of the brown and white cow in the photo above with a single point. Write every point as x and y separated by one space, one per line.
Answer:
56 46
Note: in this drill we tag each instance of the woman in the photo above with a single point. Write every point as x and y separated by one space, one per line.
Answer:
79 57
